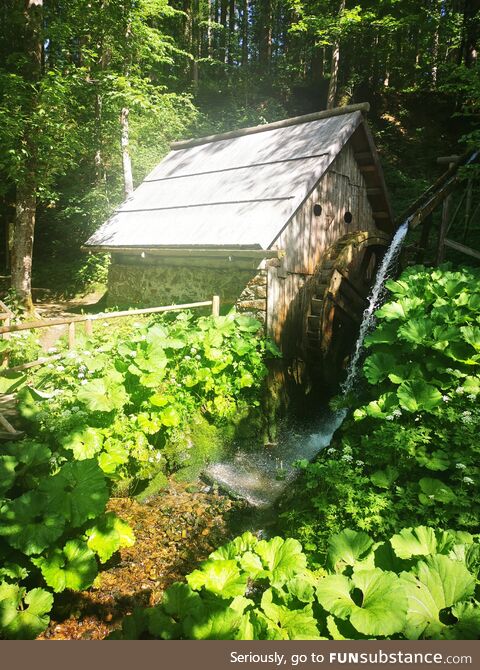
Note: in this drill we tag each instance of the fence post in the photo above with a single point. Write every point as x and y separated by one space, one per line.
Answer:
89 327
216 305
71 335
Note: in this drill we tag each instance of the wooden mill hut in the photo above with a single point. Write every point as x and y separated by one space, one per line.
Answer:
287 220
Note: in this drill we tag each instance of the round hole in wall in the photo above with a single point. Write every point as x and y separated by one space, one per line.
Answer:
317 209
347 217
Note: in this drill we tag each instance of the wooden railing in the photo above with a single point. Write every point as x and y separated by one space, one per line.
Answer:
88 319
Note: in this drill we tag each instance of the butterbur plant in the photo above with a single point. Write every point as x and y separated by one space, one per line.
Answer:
419 584
410 451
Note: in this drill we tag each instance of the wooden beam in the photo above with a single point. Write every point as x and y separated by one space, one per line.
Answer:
324 114
462 248
363 155
189 252
367 168
375 190
380 215
446 160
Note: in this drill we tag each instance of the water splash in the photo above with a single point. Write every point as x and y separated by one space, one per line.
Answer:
260 477
374 301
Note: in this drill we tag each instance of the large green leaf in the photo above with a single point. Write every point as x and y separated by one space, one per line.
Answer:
383 603
7 473
290 624
347 549
84 443
471 334
78 491
438 582
417 396
28 525
221 624
103 395
23 615
385 478
108 536
378 366
74 567
220 577
434 490
416 331
419 541
282 558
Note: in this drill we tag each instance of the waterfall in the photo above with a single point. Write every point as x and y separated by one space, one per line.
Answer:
374 301
261 477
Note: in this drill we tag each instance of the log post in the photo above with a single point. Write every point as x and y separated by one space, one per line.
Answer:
447 203
89 327
71 335
216 305
6 336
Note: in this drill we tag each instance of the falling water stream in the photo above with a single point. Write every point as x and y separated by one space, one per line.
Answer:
261 477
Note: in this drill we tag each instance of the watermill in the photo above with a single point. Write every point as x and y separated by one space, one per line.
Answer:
336 299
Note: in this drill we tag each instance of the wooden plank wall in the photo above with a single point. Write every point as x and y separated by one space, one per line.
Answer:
305 240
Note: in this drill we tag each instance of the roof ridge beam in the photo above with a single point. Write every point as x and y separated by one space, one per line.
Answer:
284 123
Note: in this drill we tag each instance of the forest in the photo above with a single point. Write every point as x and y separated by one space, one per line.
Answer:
108 526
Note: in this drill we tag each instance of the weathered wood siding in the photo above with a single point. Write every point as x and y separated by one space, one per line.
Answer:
305 240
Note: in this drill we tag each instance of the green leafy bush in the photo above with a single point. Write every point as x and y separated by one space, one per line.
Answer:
113 411
420 584
410 452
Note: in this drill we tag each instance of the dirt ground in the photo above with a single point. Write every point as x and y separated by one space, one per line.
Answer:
174 532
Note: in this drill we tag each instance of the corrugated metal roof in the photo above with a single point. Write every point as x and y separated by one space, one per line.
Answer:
238 192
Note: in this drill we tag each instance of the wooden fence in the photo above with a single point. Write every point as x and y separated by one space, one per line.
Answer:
6 316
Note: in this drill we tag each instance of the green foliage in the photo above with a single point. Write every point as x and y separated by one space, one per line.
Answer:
114 411
416 585
410 453
149 396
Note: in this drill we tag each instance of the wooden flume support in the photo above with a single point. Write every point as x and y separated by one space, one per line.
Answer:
421 211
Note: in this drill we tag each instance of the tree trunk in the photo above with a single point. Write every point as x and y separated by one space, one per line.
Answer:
22 248
231 31
127 163
26 196
471 28
245 33
333 84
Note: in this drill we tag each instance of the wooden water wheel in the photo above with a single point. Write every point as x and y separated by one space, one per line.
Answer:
336 299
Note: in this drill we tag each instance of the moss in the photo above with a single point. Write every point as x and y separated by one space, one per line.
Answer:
158 483
189 451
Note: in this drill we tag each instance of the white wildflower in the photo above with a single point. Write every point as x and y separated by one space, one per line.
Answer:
81 375
52 350
445 398
461 466
431 496
198 357
397 412
359 463
466 413
60 368
468 480
460 390
472 396
449 370
187 358
84 381
331 451
75 408
346 458
389 417
132 353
